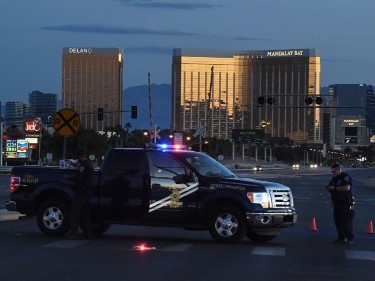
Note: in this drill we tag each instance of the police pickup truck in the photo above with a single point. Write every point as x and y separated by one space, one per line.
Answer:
157 187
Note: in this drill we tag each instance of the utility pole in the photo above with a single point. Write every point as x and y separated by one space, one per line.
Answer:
149 106
1 136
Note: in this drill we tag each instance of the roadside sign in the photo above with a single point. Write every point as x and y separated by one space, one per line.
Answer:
66 122
248 135
155 134
201 130
178 138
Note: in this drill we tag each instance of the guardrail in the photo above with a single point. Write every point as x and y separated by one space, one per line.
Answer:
5 169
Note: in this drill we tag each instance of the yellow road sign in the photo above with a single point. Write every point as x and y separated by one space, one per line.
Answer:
66 122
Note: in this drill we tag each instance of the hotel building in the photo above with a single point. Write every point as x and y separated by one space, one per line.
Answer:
92 78
43 106
349 116
226 90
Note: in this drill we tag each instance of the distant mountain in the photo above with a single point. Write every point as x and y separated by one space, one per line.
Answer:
161 106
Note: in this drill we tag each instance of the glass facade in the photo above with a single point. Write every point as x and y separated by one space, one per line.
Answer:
92 78
351 114
15 114
222 91
43 105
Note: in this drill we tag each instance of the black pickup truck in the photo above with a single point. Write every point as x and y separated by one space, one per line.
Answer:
153 187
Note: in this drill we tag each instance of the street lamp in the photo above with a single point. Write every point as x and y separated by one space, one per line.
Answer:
48 121
145 134
50 132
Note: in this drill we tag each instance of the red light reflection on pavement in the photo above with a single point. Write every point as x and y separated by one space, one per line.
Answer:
143 247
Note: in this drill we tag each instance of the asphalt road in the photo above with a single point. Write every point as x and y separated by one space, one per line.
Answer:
298 253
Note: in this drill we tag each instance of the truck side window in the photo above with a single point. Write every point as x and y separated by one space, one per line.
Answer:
163 166
125 162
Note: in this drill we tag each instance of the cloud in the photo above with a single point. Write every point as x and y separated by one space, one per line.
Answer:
86 28
169 5
241 38
334 60
152 50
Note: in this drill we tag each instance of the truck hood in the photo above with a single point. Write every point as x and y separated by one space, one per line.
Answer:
243 184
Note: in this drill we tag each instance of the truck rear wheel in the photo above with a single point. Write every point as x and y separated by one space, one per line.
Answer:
259 237
227 224
53 217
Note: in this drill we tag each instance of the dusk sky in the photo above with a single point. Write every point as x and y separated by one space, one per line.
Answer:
33 34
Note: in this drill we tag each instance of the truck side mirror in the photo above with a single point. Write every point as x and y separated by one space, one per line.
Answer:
179 179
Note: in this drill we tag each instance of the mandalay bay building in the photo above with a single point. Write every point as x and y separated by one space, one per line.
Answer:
92 78
226 90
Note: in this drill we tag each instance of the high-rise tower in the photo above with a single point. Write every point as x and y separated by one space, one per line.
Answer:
92 78
266 89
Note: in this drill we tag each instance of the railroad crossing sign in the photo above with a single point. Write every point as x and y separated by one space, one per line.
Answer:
201 130
66 122
155 134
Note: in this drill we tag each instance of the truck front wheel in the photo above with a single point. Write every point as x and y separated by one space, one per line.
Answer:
53 217
227 224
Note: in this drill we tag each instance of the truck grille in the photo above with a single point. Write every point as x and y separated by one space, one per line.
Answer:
281 198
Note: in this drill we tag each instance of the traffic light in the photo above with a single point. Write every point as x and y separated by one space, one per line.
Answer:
318 100
134 112
100 113
270 100
261 100
309 100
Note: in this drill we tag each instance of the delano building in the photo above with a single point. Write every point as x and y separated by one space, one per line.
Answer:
92 78
226 90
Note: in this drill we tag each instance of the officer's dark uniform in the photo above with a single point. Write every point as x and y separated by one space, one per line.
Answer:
80 212
343 212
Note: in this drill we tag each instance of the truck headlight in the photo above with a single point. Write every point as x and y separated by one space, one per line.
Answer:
259 198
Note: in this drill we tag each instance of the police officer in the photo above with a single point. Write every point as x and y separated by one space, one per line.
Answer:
80 212
341 190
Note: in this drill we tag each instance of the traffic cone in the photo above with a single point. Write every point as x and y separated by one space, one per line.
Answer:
370 228
313 225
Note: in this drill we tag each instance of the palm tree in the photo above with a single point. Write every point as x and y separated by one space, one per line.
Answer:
127 127
13 128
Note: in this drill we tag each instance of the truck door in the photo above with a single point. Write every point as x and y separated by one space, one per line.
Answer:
173 189
123 185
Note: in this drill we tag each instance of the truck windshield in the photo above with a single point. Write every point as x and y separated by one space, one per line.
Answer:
207 166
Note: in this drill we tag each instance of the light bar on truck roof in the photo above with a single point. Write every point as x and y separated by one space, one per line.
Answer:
164 146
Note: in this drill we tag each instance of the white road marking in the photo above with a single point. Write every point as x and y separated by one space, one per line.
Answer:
65 243
177 248
6 215
268 251
360 255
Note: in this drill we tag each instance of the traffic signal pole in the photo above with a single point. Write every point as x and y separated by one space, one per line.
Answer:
149 105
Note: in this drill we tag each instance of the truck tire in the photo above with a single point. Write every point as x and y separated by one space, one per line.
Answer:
259 237
53 217
99 228
227 224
